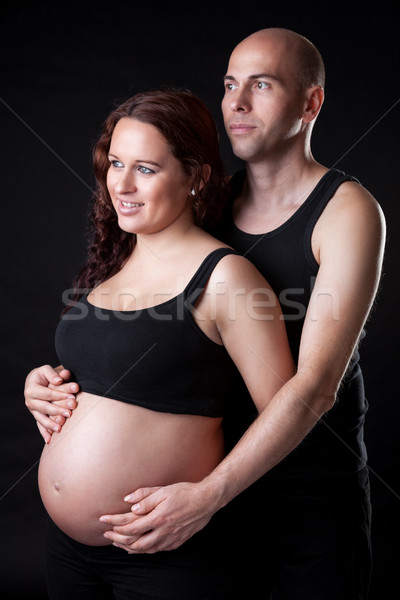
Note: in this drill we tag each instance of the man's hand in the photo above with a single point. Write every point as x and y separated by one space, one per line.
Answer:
49 396
161 518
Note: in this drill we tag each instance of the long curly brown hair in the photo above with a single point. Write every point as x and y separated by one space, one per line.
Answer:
187 125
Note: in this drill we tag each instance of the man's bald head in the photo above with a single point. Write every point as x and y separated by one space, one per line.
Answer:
306 61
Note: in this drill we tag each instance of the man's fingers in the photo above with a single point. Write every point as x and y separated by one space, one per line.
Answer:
137 526
144 500
46 373
53 395
68 403
59 420
44 432
121 519
128 524
147 543
51 408
57 376
46 422
66 388
122 540
41 393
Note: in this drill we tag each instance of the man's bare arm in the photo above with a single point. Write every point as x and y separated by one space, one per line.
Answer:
349 242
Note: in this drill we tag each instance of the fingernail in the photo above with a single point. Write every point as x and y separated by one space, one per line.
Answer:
128 497
73 387
57 379
71 404
103 519
106 535
135 507
66 413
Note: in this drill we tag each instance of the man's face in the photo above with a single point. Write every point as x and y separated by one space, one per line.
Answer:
263 104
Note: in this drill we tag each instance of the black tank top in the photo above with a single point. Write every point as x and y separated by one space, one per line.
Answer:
284 256
155 357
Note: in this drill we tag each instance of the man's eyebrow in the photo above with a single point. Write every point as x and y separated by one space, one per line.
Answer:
255 76
263 76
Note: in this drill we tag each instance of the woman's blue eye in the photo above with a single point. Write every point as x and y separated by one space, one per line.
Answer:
145 170
116 163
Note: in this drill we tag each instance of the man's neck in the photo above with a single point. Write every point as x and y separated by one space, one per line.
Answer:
280 184
272 193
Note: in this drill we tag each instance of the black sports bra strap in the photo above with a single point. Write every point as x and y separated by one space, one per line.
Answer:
199 280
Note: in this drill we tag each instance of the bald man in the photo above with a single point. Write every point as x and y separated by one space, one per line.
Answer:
302 527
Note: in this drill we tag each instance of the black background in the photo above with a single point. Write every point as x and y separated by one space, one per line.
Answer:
64 66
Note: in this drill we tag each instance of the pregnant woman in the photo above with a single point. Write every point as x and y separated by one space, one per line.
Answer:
163 321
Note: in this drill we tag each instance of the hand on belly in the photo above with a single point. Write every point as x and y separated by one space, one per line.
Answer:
107 449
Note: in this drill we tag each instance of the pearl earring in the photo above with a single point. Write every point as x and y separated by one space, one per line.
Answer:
193 192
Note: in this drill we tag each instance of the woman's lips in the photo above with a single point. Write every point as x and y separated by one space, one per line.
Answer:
126 207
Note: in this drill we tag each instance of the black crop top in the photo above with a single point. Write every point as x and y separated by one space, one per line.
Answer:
155 357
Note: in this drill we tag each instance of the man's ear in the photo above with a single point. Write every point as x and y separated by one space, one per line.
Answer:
314 100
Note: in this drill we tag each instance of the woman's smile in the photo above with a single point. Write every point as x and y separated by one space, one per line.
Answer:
128 208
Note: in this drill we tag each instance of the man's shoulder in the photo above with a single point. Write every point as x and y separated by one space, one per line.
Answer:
353 197
352 208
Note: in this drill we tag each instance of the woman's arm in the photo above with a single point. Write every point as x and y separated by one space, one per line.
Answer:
49 396
248 321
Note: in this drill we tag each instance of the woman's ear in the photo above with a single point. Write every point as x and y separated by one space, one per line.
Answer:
314 101
205 175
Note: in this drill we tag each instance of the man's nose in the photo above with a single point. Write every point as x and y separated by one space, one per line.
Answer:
240 101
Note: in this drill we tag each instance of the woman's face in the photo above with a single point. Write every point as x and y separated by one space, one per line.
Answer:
147 184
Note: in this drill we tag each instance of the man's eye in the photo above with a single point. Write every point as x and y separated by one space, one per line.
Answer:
262 85
230 86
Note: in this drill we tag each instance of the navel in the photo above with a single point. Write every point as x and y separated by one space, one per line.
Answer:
56 487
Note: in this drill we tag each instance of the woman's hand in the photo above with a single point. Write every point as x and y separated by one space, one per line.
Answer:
161 518
49 396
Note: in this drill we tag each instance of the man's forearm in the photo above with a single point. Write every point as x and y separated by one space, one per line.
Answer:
278 430
173 513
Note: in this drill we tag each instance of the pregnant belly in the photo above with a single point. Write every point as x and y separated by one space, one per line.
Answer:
108 449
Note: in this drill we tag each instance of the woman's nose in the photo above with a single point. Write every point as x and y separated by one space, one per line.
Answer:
125 183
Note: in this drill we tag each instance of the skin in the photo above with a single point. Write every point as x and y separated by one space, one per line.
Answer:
148 187
269 120
104 456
